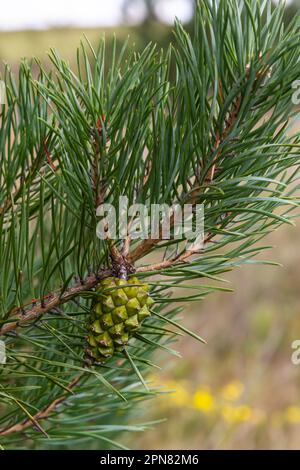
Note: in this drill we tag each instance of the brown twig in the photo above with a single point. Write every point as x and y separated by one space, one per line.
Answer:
181 258
6 205
126 246
99 192
53 301
220 137
167 263
142 249
42 414
120 264
26 180
49 157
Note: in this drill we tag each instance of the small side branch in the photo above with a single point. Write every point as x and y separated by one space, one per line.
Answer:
180 258
26 180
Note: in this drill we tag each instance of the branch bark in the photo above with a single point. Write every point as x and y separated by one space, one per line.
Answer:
54 300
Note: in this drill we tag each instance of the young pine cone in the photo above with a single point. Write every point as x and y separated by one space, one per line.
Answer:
117 312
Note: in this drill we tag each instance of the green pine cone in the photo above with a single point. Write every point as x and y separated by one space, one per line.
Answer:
118 311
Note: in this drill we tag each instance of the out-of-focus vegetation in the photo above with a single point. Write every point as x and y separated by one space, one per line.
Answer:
18 44
241 390
15 45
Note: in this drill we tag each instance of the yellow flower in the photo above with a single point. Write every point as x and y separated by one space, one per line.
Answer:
236 414
203 400
233 390
292 414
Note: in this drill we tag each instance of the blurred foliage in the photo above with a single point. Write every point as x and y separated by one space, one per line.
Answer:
16 45
149 5
35 43
241 390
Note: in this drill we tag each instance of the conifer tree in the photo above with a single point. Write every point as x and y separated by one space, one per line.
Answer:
205 122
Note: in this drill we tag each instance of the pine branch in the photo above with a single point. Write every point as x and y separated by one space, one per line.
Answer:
199 135
53 301
146 246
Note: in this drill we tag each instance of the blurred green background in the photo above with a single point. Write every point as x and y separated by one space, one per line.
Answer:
241 390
